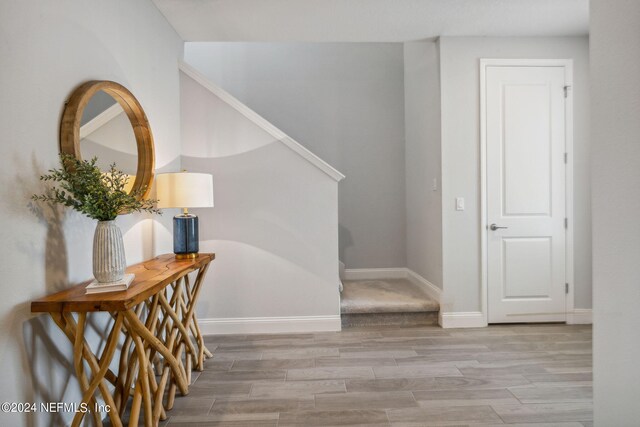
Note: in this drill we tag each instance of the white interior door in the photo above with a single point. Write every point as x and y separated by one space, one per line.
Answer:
525 170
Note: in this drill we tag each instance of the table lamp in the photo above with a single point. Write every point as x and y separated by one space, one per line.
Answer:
185 190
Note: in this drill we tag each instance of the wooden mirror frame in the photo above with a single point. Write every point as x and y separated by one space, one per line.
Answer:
72 116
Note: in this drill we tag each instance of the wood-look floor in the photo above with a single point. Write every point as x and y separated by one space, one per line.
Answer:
517 374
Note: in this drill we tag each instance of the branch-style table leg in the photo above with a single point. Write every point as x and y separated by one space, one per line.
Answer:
82 352
105 361
189 320
142 381
137 327
126 369
179 312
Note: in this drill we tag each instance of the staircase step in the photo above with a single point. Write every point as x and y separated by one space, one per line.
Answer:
393 302
389 319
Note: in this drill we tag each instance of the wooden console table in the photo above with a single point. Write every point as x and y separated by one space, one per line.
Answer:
155 327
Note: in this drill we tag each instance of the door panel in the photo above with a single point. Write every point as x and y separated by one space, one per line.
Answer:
526 264
526 193
526 150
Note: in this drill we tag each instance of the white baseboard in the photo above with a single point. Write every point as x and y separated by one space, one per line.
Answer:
432 290
580 316
473 319
269 325
375 273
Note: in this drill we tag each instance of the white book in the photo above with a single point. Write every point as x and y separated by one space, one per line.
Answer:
96 287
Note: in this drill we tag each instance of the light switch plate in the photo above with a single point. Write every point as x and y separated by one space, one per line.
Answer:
459 203
434 184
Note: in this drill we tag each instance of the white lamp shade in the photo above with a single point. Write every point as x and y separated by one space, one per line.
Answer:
184 190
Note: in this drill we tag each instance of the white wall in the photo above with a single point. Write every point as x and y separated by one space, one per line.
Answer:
344 102
422 159
274 227
461 160
615 127
47 49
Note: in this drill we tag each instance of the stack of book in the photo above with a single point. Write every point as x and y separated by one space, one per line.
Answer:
96 287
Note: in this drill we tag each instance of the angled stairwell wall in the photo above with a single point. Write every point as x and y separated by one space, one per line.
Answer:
274 227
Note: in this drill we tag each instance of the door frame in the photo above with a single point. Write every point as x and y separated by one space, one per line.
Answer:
569 263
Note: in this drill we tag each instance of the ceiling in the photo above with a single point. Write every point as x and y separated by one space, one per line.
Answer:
371 20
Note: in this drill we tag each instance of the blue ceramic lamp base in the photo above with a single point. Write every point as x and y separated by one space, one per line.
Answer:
185 236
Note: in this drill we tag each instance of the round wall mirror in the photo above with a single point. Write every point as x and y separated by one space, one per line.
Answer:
103 119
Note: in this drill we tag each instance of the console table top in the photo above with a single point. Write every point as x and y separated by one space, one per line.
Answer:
151 277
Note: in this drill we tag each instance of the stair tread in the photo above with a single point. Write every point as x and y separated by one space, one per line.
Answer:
385 296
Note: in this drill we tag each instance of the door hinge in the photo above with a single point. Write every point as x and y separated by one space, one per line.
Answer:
566 288
566 223
566 91
566 158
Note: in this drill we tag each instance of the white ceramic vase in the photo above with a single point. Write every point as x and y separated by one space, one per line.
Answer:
108 252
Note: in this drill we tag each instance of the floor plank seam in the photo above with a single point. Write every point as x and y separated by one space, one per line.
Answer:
211 407
497 414
511 393
386 413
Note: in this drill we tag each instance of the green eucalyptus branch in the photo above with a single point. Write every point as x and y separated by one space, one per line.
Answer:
81 185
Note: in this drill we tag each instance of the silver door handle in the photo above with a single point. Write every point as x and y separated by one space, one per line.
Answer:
494 227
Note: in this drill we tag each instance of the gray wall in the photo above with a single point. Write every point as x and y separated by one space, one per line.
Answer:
422 159
344 102
615 130
48 48
461 158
